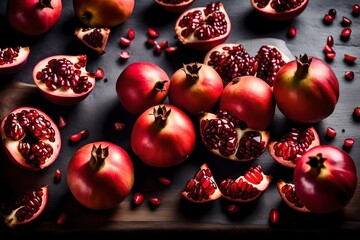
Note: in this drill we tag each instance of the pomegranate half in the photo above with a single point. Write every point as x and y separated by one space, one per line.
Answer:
13 59
94 38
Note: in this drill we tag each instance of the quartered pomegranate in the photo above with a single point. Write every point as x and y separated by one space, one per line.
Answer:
174 5
279 10
293 144
64 79
202 187
228 137
31 138
203 28
94 38
13 59
247 187
288 195
232 60
25 208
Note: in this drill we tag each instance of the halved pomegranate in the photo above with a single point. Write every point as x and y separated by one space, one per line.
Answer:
228 137
232 60
247 187
288 195
94 38
174 5
13 59
203 28
279 10
293 144
63 79
31 138
202 188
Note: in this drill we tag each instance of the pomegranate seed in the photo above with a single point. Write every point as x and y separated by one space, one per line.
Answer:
131 34
99 74
80 135
346 21
330 132
124 55
346 32
356 9
62 122
232 208
274 216
349 58
165 180
171 49
62 218
330 55
151 42
328 18
164 44
292 31
349 75
153 33
356 112
158 49
57 175
332 12
138 198
118 126
125 41
330 41
348 142
155 201
328 49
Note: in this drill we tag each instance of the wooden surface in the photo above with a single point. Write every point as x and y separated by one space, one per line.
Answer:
175 216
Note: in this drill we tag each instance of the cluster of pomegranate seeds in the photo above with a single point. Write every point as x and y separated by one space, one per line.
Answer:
95 38
76 137
8 55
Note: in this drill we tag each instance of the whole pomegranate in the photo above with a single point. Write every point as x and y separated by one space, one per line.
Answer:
100 175
105 13
306 90
33 17
325 179
13 59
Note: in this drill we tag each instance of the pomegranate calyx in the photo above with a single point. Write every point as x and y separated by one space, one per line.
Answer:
45 4
161 115
316 163
303 64
192 71
98 156
160 86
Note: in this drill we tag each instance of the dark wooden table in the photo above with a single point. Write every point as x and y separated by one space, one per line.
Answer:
175 216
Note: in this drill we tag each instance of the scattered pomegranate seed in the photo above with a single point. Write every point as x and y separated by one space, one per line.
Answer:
124 55
165 180
330 41
356 112
348 142
328 18
232 208
57 175
138 198
79 136
346 21
330 55
118 126
125 41
332 12
153 33
346 32
349 75
158 49
100 73
292 31
356 9
62 122
349 58
155 201
131 34
62 218
328 49
274 216
330 132
164 44
151 42
171 49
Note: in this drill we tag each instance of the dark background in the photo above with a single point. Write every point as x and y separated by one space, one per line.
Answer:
176 217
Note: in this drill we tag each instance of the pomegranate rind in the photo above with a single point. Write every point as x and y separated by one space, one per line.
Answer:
61 96
216 195
105 32
279 184
11 146
269 13
291 163
17 64
174 8
11 220
192 41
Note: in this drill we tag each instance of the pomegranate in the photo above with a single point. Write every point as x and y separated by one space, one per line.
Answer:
100 175
163 136
325 179
249 99
195 87
25 208
306 90
63 79
203 28
288 195
232 60
33 17
13 59
247 187
105 13
279 10
31 138
293 144
174 6
142 85
202 187
228 137
94 38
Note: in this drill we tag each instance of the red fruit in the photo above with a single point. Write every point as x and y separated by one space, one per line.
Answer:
94 38
142 85
279 10
292 31
306 90
163 136
174 6
138 198
195 87
202 187
274 216
325 179
203 28
330 132
100 175
288 195
226 136
247 187
13 59
249 99
25 208
31 138
76 82
33 17
293 144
